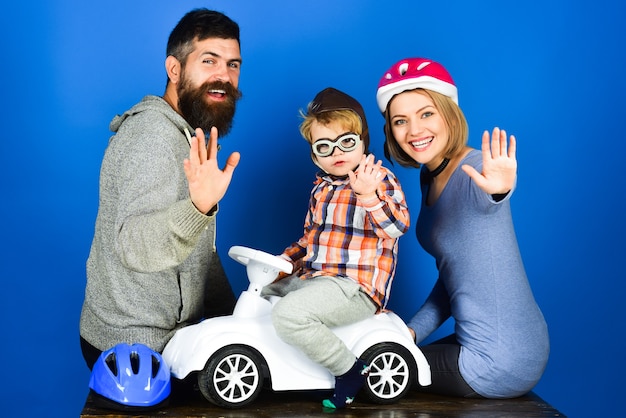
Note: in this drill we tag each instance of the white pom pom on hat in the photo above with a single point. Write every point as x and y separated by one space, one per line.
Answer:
413 73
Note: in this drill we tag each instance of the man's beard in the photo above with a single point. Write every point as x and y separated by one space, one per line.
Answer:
196 108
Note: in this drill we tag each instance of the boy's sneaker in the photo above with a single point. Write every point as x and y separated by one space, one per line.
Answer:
348 385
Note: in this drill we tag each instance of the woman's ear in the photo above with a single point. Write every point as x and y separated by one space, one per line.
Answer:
173 69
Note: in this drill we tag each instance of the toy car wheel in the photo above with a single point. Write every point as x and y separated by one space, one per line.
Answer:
232 377
392 369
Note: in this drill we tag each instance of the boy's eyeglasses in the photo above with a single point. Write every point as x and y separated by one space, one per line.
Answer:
346 142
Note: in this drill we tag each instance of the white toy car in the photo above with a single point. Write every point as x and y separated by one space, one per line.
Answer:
236 356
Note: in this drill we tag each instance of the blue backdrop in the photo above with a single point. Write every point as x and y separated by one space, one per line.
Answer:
549 72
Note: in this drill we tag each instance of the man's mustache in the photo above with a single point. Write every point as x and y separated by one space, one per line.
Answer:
229 90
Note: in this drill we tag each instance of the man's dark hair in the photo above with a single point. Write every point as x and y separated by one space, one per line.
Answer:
198 25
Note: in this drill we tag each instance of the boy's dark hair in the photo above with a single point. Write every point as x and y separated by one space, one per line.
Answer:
198 25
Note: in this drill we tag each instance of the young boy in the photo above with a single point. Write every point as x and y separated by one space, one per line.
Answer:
345 261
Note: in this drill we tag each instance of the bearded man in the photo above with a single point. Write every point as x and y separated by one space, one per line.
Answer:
153 266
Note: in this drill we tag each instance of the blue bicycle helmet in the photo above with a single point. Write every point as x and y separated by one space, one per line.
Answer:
131 376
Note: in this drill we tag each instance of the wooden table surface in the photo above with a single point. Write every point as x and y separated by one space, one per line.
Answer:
308 404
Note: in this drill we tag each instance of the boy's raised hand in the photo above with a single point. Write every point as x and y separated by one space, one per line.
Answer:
499 164
367 177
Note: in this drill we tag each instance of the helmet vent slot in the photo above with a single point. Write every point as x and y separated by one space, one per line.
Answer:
156 364
134 362
111 363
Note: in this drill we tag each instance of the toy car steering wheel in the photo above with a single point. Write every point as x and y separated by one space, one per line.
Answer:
245 255
262 267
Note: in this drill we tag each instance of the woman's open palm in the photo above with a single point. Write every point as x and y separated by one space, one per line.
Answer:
499 163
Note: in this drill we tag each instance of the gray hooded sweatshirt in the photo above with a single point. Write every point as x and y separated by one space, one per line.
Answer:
153 260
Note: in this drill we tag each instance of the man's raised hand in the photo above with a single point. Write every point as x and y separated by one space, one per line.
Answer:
207 182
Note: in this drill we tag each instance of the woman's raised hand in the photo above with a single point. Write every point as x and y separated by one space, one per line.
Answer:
499 163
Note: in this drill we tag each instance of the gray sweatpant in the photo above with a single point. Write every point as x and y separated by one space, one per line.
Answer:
309 308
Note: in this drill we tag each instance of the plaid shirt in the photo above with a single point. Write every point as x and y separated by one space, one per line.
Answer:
346 237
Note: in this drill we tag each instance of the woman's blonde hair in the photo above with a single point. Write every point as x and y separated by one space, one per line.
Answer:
453 117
